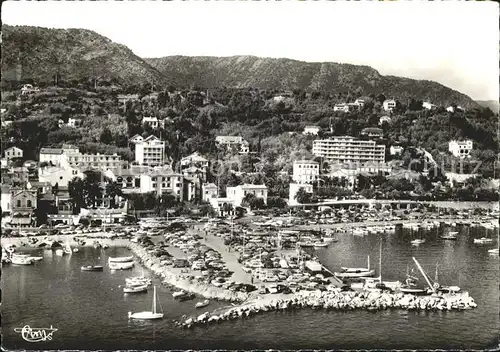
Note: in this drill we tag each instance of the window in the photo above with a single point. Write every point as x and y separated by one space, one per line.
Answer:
28 203
18 203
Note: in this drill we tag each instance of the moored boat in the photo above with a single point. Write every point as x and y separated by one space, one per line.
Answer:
352 274
178 294
153 314
417 241
494 251
120 259
483 240
320 244
59 252
92 268
135 289
121 266
202 304
452 235
19 260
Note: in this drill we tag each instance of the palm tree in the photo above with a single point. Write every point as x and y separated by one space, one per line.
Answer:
227 208
113 190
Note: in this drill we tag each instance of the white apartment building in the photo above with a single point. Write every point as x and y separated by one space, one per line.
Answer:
389 104
150 151
162 180
314 130
238 193
345 149
209 191
305 171
52 156
194 159
69 156
294 188
13 152
460 149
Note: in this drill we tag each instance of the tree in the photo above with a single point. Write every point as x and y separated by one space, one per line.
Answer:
76 193
113 190
106 136
91 188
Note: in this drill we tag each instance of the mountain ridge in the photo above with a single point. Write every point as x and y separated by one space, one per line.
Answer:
77 54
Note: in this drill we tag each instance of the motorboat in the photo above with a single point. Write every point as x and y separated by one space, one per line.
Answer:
352 274
60 252
153 314
67 249
120 259
202 304
493 251
121 266
135 288
138 280
92 268
320 244
75 250
36 259
178 294
20 260
483 240
418 241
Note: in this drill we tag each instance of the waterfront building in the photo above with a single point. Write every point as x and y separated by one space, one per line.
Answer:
59 175
209 190
234 143
238 193
162 180
345 149
150 151
23 205
305 171
314 130
389 104
70 156
13 152
6 200
460 149
223 205
294 188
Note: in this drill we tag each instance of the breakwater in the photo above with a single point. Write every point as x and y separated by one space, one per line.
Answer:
340 300
184 282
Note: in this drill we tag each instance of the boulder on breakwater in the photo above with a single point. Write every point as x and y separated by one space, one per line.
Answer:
169 278
341 300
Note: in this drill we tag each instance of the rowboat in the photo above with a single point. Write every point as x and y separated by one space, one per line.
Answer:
92 268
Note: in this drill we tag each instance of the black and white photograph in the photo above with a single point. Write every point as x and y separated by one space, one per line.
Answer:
250 175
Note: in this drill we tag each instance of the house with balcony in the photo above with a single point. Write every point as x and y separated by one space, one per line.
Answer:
389 105
209 190
162 180
150 151
233 143
372 133
23 205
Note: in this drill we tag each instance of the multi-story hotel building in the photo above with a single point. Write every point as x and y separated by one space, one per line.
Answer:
305 171
69 156
460 149
345 149
150 151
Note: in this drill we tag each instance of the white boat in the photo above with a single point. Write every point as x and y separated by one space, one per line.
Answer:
320 244
138 280
493 251
202 304
153 314
19 260
120 259
351 275
418 241
75 250
452 235
36 259
135 289
178 294
359 232
483 240
121 266
59 252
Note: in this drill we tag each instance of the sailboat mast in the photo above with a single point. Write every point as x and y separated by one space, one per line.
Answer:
380 262
423 274
154 299
368 262
436 275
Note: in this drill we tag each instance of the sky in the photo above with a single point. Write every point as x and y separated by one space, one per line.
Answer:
453 43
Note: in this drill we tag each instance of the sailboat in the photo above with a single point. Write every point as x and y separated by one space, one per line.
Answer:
148 315
347 273
410 285
377 283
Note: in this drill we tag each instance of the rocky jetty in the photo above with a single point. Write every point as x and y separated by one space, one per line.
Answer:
183 281
370 300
